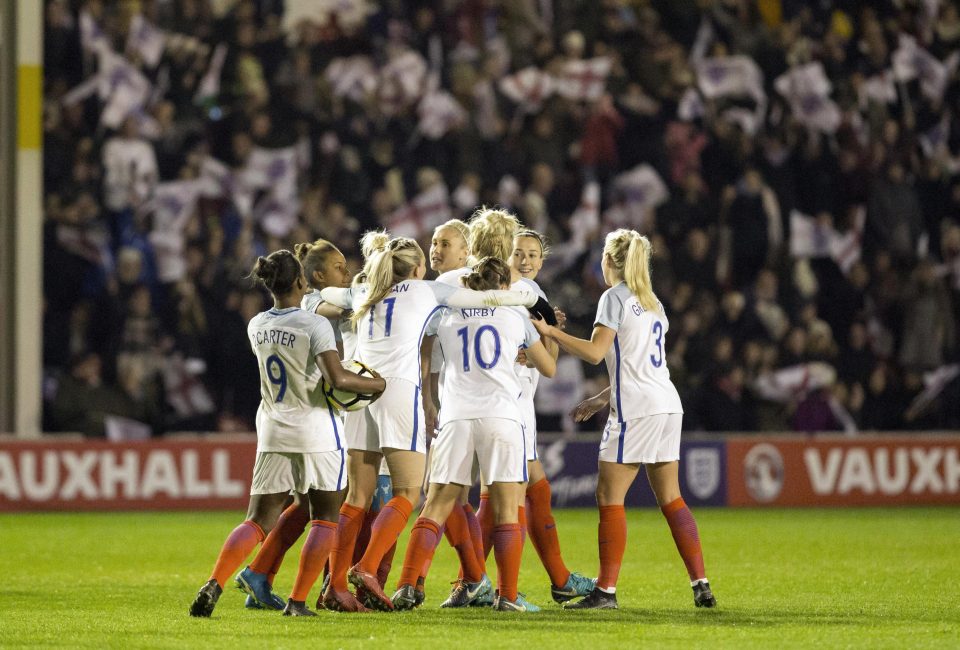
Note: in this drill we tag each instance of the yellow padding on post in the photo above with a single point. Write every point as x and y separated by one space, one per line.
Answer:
29 106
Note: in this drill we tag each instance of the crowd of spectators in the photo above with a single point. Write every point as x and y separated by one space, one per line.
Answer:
795 165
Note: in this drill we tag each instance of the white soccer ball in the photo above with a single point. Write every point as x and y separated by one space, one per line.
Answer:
345 400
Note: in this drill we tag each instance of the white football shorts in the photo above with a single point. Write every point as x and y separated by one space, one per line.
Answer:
496 443
355 428
529 415
650 439
275 472
394 421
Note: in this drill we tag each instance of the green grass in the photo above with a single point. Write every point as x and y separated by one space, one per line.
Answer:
783 578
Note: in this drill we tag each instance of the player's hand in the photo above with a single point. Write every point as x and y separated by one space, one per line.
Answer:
542 327
561 318
521 357
588 407
430 418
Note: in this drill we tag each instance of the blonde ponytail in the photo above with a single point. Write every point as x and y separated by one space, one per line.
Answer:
629 253
371 242
385 268
491 233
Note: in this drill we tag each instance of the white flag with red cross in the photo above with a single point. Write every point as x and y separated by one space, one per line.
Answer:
403 81
584 79
439 114
529 88
420 216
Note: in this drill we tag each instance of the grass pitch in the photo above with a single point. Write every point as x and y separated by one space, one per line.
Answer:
797 578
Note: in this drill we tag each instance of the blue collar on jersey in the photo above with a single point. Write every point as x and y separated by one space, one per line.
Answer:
281 312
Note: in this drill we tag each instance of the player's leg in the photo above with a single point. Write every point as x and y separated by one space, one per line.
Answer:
507 543
362 467
441 500
406 472
614 481
324 481
257 578
542 527
262 513
666 487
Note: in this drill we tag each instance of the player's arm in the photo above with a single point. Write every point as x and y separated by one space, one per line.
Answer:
592 351
542 360
467 298
426 385
342 379
328 310
338 297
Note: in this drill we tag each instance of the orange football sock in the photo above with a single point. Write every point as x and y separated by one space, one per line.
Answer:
457 532
476 535
285 533
363 537
383 571
612 540
243 539
485 516
313 555
351 519
384 532
507 550
522 520
686 536
423 541
543 532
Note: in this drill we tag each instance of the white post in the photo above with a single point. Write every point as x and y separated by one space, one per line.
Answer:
28 238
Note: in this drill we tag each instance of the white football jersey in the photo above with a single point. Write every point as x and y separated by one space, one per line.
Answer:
479 349
529 377
637 361
293 414
389 337
451 278
341 326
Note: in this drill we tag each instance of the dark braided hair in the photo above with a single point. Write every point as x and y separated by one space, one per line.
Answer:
277 271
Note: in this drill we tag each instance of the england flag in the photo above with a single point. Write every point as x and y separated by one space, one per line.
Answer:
583 80
124 88
420 216
439 114
528 88
403 81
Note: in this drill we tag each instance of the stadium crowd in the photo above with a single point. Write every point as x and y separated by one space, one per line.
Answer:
794 163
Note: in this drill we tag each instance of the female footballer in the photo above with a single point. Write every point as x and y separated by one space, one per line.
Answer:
391 311
645 414
299 439
479 379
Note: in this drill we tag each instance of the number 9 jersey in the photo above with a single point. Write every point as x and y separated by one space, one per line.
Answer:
636 362
293 416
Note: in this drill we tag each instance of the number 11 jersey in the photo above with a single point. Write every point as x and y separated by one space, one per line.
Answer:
636 362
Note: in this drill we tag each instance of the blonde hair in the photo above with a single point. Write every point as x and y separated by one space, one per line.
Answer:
488 273
460 227
385 268
629 253
492 232
313 255
371 242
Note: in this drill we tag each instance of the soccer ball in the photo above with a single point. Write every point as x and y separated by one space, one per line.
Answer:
345 400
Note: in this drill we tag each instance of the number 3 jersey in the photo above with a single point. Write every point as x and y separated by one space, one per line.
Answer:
636 362
479 347
293 414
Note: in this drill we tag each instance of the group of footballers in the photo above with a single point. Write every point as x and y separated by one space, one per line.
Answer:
456 359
